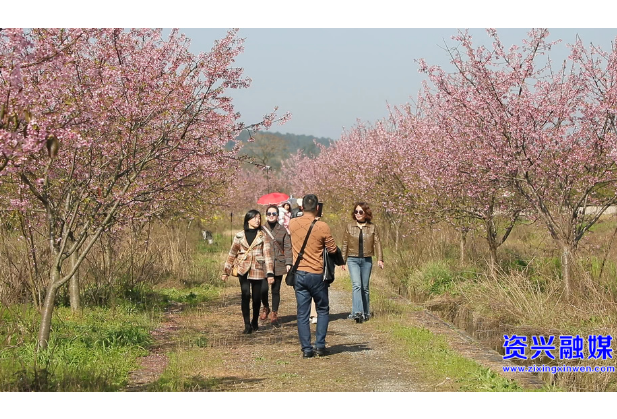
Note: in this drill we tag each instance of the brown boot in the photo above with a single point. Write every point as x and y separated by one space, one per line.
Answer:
274 318
264 313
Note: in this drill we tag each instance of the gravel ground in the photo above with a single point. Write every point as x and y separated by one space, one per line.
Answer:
361 359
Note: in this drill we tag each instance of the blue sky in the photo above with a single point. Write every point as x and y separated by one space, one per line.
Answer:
329 78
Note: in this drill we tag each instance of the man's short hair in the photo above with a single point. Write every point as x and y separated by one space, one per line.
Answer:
309 203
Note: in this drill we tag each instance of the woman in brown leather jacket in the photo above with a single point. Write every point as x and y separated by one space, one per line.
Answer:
360 243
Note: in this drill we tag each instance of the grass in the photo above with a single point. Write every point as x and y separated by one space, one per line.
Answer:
182 372
437 362
191 296
440 364
95 350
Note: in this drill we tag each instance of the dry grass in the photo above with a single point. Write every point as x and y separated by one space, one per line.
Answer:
146 254
526 292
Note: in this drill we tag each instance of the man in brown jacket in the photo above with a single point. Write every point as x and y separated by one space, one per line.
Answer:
309 276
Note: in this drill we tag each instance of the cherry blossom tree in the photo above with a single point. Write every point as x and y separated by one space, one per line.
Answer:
139 120
537 129
462 174
369 163
32 113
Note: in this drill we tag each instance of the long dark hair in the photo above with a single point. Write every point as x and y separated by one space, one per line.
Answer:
368 214
249 216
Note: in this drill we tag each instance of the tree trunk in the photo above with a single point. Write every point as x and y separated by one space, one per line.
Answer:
567 256
491 238
396 239
492 260
74 286
108 257
186 238
462 245
48 309
33 269
132 234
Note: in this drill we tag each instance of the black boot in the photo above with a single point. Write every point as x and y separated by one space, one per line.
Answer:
248 329
255 325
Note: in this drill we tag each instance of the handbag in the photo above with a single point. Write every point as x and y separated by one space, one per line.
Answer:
234 269
290 279
330 260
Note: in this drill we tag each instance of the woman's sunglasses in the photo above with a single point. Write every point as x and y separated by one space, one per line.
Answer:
359 212
271 213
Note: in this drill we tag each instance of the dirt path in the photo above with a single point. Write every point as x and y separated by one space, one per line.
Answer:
362 358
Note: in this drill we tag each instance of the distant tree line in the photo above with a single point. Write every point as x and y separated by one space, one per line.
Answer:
270 148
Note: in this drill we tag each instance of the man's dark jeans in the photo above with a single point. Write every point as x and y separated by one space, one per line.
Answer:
311 286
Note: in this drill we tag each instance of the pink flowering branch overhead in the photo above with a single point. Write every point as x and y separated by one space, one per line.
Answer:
126 123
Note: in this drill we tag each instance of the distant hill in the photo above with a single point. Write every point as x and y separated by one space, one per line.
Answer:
270 148
294 142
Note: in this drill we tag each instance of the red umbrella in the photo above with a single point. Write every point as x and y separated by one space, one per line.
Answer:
273 198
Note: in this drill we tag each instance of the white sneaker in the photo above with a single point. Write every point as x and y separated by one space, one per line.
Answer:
314 320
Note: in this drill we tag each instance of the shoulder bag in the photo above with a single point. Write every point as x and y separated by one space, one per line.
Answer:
290 279
273 239
234 269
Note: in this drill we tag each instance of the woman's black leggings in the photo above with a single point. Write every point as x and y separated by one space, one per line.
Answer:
276 293
246 285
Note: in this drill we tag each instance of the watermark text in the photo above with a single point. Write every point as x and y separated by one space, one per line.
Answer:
561 368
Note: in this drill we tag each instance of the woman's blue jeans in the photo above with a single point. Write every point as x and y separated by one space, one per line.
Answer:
360 273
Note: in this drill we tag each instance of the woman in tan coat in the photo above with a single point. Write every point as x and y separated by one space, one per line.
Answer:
252 255
360 243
